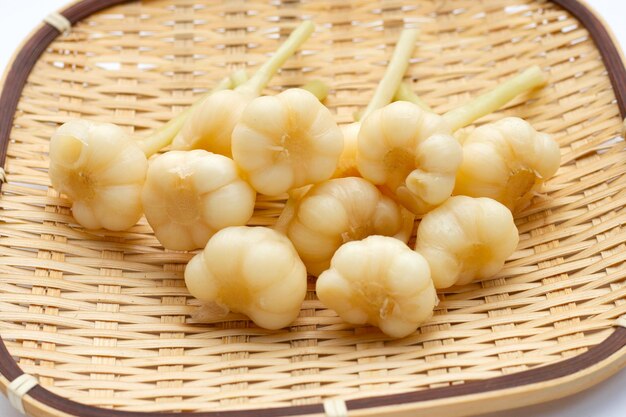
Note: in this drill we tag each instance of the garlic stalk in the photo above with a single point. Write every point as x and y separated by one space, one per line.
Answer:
318 88
507 160
494 99
383 95
412 153
380 281
405 93
166 134
101 169
211 124
251 270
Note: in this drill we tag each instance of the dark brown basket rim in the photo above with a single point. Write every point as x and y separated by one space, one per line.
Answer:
14 81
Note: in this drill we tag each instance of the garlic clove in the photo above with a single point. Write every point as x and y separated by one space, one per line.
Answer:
316 209
199 281
223 207
273 179
266 264
85 216
261 151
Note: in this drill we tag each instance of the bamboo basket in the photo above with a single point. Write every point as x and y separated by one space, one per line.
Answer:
103 320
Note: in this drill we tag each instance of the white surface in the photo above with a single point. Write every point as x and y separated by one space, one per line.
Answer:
17 18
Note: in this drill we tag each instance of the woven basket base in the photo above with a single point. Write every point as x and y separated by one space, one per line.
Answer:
104 318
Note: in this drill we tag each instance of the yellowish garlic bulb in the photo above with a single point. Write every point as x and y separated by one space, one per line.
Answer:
211 123
410 152
101 170
347 166
380 281
339 211
507 161
188 196
384 94
251 270
466 239
286 141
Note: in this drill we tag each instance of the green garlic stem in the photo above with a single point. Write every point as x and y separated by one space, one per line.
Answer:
318 88
163 136
262 77
492 100
405 93
289 211
238 77
395 71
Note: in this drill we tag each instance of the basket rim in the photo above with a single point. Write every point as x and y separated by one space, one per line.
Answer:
569 376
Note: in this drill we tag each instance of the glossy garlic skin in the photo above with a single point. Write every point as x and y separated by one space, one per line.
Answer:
411 153
286 141
507 161
190 195
101 170
210 124
347 161
466 239
251 270
381 281
339 211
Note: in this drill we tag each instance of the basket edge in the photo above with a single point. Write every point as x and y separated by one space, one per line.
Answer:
521 395
521 389
606 42
573 375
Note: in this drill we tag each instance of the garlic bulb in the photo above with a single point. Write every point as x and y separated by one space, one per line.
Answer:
347 162
211 124
338 211
506 160
251 270
101 170
383 95
411 152
466 239
380 281
286 141
188 196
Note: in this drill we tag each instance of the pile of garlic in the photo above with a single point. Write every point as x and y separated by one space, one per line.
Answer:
354 193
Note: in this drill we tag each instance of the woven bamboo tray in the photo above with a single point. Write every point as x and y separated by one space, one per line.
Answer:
103 320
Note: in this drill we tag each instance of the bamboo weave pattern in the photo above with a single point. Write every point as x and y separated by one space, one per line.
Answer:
104 318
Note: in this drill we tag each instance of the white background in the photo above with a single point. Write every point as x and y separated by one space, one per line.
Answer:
607 399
